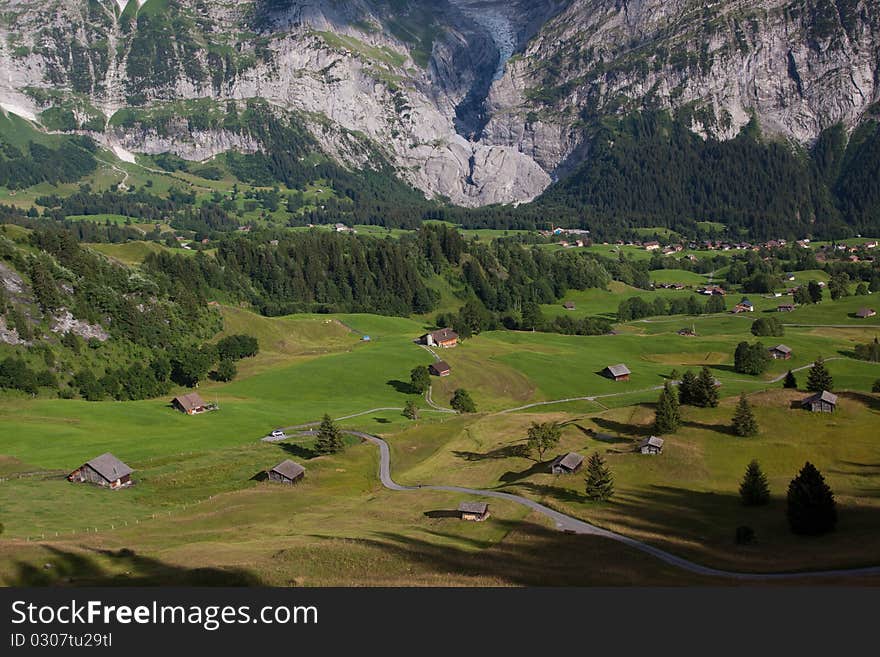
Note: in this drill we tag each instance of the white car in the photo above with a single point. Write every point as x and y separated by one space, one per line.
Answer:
278 433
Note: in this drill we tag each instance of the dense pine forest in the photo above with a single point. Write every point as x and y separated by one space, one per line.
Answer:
650 169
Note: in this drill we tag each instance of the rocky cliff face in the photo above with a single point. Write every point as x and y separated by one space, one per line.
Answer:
798 66
478 101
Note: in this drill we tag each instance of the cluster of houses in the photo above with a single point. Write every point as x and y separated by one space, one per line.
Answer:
859 253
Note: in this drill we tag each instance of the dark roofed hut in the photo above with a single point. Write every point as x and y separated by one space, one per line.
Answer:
821 402
864 313
105 470
569 305
474 511
780 352
440 368
652 445
565 464
617 372
287 472
191 404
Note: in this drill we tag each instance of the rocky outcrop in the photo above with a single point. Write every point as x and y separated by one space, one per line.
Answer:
64 322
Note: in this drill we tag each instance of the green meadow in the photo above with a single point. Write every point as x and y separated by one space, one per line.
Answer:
199 513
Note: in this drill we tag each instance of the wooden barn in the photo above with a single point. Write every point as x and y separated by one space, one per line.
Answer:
617 372
864 313
440 368
785 308
105 470
569 305
474 511
821 402
744 306
780 352
287 472
566 464
652 445
191 404
443 338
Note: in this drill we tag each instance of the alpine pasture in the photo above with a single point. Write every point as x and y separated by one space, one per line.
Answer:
198 512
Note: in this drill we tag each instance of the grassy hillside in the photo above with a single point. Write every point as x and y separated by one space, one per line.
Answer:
197 512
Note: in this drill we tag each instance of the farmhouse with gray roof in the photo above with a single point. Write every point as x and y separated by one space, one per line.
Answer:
287 472
617 372
105 470
475 511
566 463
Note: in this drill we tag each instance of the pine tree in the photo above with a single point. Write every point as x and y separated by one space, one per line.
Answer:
687 389
811 508
599 480
754 489
329 439
410 410
668 416
790 381
819 378
707 391
744 422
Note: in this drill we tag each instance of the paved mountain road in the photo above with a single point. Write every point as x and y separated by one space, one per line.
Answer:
574 525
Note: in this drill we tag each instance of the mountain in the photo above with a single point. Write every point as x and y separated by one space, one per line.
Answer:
477 102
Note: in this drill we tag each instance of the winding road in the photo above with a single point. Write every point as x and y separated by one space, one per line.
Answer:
572 525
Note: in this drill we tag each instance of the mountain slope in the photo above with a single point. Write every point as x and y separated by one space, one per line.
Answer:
474 101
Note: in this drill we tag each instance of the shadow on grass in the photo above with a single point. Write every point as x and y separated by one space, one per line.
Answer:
70 568
527 555
298 451
542 467
262 475
602 437
621 427
506 452
402 387
870 401
724 429
442 514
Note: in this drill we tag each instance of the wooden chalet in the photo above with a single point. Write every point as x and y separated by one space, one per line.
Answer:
617 372
864 313
443 338
473 511
744 306
440 368
780 352
821 402
651 445
191 404
287 472
569 305
566 464
786 308
105 470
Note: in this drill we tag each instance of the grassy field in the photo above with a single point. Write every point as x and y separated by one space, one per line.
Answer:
199 513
